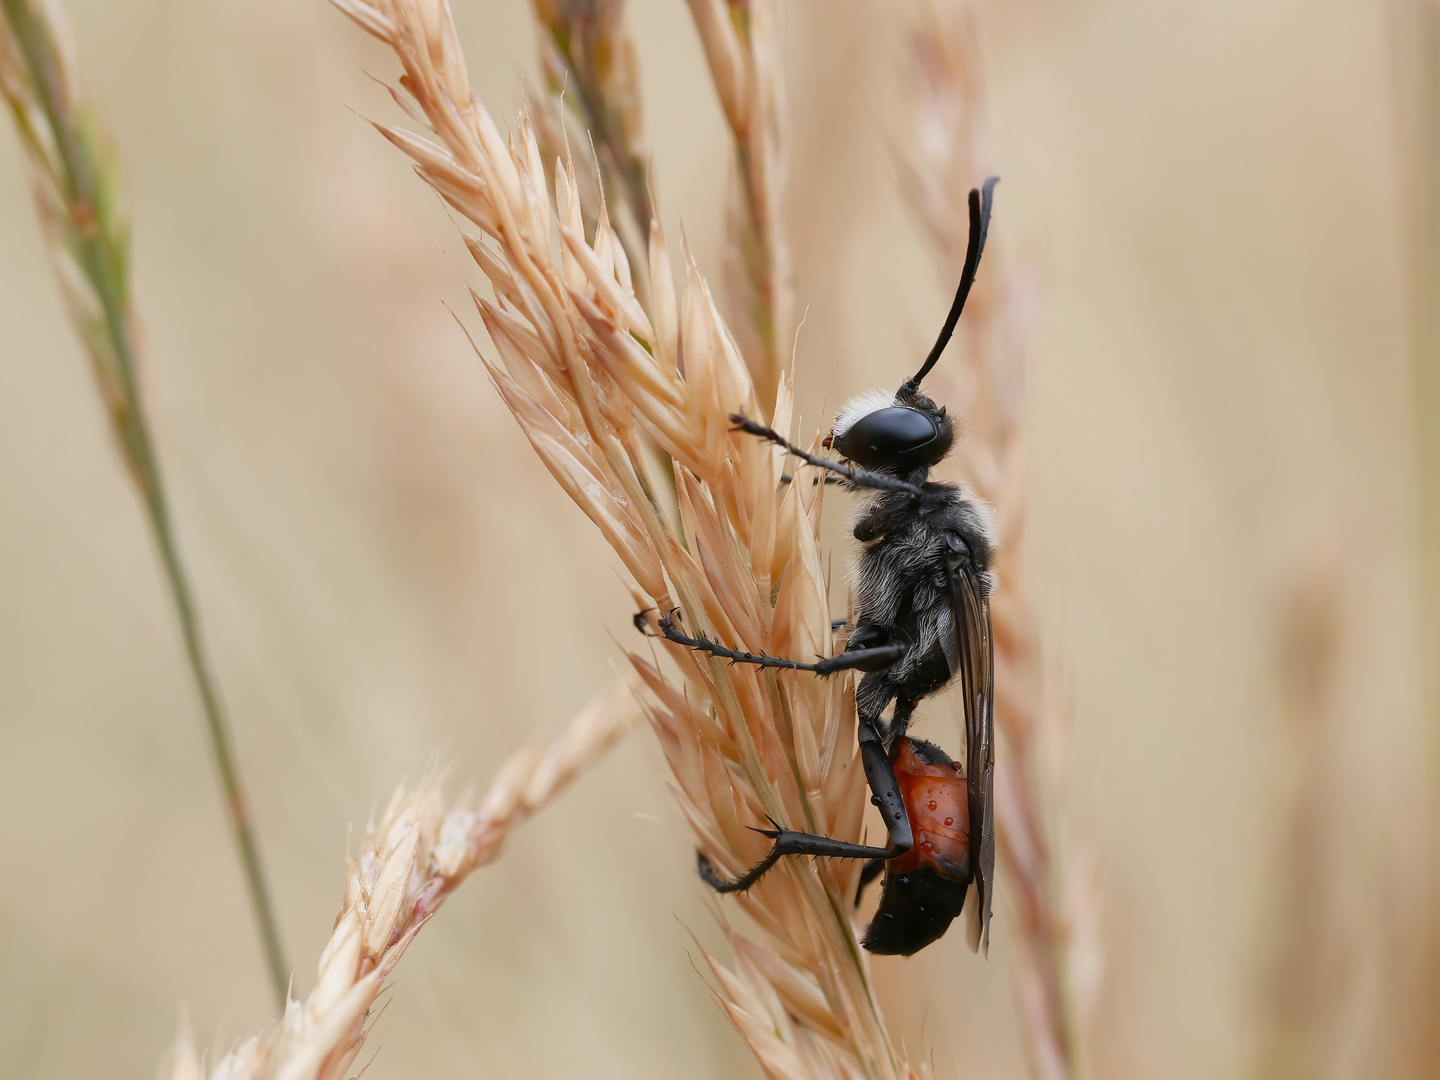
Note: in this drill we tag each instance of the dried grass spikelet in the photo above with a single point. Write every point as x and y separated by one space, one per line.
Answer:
410 861
1051 878
585 370
743 54
592 77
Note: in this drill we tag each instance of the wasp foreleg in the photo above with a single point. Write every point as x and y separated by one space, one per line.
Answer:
858 477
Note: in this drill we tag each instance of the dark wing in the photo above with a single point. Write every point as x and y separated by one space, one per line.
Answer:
970 615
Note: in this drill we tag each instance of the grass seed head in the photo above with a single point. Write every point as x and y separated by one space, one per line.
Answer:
587 370
412 858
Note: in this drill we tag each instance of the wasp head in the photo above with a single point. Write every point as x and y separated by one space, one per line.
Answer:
898 434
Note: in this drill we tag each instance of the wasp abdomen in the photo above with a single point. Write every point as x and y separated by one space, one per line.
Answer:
936 798
924 888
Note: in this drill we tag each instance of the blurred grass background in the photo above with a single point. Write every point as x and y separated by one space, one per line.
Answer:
1226 207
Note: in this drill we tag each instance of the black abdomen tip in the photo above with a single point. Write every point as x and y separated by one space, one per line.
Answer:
915 910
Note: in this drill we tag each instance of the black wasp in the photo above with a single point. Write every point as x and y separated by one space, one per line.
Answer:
922 616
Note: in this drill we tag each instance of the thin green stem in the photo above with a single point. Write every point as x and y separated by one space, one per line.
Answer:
237 806
86 224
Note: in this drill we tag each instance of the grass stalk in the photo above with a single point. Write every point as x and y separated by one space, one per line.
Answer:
411 860
78 192
1050 878
588 373
743 54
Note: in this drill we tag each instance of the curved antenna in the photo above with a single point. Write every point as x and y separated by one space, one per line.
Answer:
980 203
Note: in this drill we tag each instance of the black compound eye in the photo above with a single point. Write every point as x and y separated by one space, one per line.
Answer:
887 438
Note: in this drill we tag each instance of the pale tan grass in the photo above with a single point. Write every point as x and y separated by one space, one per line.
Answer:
1051 880
743 53
409 863
586 370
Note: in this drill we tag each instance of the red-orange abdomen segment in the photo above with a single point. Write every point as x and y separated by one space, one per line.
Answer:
938 804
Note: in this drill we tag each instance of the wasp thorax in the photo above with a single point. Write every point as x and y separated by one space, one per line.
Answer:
895 439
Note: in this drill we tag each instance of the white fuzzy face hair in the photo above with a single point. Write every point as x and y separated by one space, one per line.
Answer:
861 405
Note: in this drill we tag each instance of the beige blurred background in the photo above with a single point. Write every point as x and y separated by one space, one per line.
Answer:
1221 205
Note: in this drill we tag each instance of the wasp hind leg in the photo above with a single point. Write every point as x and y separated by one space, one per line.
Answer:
787 843
885 793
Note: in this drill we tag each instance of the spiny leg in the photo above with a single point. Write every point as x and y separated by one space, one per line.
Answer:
885 789
865 659
787 842
858 477
643 624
